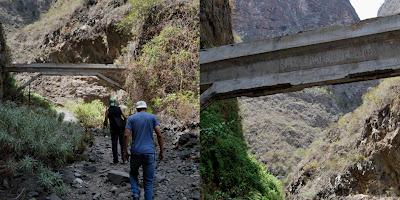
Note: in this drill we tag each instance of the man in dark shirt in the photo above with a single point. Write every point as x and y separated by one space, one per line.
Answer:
117 124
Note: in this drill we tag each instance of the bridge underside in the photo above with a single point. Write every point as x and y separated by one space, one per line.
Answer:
334 55
108 73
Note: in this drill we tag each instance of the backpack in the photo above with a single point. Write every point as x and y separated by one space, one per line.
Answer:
117 121
120 123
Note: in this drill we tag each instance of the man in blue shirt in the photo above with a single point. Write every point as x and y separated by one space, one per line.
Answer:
140 128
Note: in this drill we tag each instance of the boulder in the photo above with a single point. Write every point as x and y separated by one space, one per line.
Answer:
53 197
78 181
187 140
118 177
89 168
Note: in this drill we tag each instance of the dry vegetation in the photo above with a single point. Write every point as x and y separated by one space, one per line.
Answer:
279 128
57 15
163 57
338 150
90 115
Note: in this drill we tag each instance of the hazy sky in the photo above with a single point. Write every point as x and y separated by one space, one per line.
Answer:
367 8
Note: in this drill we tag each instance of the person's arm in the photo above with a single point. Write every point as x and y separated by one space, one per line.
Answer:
105 123
160 140
127 138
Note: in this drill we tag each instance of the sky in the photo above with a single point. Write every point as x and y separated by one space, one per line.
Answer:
367 8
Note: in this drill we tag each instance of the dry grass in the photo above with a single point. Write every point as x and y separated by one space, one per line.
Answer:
339 146
163 68
59 12
280 128
27 40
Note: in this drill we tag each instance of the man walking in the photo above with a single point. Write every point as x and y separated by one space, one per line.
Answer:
140 127
117 124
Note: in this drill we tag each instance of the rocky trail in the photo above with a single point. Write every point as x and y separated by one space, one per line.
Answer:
177 176
96 177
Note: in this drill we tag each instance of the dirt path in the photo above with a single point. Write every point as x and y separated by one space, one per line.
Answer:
177 176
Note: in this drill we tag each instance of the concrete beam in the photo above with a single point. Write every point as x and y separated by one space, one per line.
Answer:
64 68
110 81
333 55
84 69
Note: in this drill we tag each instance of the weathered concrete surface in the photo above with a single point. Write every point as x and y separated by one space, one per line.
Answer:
333 55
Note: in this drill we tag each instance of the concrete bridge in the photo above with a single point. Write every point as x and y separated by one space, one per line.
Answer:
102 71
366 50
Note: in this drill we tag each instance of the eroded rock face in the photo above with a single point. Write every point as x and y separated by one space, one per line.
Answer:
390 7
260 19
18 13
216 28
278 128
374 171
83 33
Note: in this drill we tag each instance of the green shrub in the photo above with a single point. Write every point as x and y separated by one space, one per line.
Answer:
33 140
51 181
165 66
27 164
180 105
89 114
36 134
228 170
139 11
163 62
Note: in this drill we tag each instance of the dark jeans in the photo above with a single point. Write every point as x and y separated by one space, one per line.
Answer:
148 163
115 136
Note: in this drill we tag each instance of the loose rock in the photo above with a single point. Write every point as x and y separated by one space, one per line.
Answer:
118 177
33 194
96 196
78 181
53 197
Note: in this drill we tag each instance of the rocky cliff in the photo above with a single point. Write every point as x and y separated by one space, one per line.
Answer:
216 28
389 7
357 155
259 19
18 13
77 31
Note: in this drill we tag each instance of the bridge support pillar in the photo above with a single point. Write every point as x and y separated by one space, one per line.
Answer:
3 61
1 83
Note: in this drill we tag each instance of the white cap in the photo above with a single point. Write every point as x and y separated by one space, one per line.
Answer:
141 104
